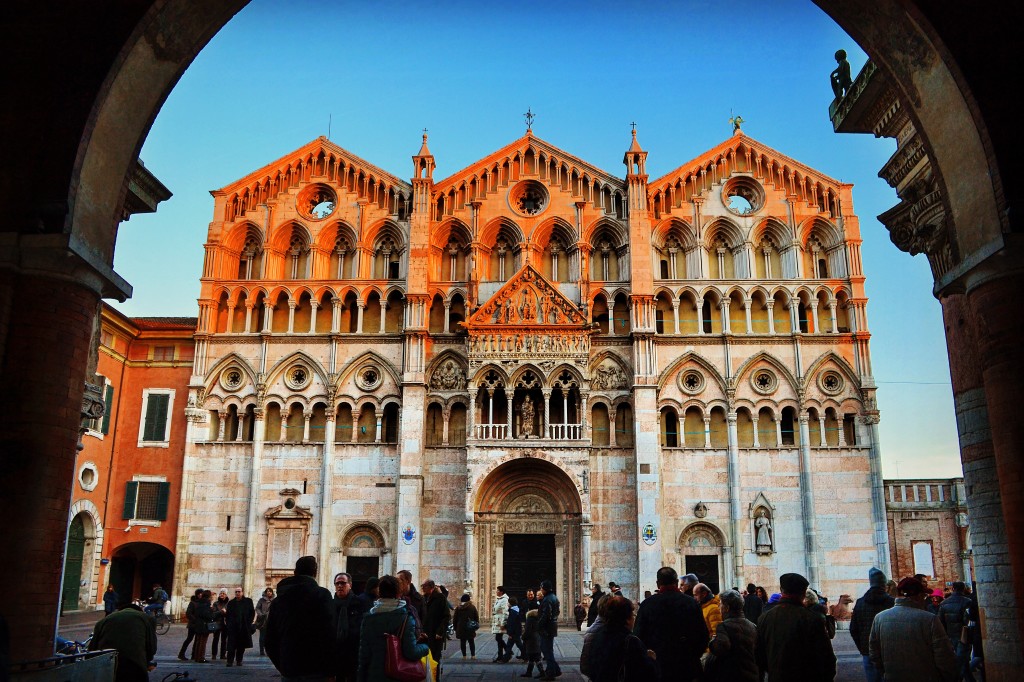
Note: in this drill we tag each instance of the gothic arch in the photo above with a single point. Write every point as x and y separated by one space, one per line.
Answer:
439 361
832 236
841 364
348 369
234 358
499 483
275 372
770 359
686 358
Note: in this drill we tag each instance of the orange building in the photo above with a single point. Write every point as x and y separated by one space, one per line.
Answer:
124 509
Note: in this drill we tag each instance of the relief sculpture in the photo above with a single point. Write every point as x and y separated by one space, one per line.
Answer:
448 377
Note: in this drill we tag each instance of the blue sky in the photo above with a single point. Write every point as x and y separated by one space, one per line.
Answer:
278 73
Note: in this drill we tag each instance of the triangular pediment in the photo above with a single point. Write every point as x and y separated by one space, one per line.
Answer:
739 145
321 154
527 300
518 149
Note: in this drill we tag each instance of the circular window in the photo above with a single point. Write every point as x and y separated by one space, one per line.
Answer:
289 503
743 195
88 476
691 381
831 382
316 202
528 198
368 378
297 377
764 381
232 378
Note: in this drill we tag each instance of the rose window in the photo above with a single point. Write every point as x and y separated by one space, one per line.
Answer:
316 202
764 381
297 377
831 382
692 381
528 198
368 378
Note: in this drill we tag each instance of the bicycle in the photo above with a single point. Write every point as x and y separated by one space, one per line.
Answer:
163 620
72 647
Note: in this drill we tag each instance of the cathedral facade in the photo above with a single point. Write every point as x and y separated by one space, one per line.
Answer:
533 369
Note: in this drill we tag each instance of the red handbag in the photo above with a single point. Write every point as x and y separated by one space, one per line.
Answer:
397 666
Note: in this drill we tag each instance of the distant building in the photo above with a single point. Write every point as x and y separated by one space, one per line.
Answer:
127 476
929 531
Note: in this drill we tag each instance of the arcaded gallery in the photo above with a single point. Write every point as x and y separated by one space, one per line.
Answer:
533 369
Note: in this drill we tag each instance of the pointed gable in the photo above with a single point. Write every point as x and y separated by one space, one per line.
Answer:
527 300
743 154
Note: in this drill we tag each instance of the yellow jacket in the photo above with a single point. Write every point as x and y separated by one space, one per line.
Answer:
712 610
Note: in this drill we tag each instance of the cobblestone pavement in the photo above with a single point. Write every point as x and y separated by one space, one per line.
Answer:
454 667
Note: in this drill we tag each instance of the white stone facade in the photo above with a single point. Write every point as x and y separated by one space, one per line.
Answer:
682 356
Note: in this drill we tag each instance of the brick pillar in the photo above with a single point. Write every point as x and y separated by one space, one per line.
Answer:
46 332
983 336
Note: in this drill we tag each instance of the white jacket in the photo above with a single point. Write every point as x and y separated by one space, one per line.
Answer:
499 615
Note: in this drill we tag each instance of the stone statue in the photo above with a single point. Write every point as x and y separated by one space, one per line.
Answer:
526 415
764 532
840 78
448 378
529 312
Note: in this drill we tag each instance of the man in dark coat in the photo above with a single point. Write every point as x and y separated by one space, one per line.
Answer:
547 627
413 599
514 629
300 626
671 624
239 616
436 617
133 634
595 596
349 610
752 604
874 601
791 640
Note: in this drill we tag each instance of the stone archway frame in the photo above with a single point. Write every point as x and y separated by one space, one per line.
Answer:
89 596
501 500
716 543
350 533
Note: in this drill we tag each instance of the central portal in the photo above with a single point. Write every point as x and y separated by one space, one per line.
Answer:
527 527
529 560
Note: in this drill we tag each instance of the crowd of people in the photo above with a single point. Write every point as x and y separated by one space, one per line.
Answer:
681 631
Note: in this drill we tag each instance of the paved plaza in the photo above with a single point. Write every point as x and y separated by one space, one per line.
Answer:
455 668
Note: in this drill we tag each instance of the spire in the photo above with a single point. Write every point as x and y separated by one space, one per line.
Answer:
423 162
424 150
635 157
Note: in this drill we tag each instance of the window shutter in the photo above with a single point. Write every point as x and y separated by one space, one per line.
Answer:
156 417
108 401
131 491
163 494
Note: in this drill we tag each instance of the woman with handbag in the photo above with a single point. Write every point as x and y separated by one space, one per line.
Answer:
467 621
262 610
388 649
220 638
205 624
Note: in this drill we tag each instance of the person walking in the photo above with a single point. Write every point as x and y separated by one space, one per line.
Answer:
953 615
191 627
579 612
204 625
671 624
132 634
300 626
531 645
752 604
467 621
909 644
262 609
595 597
109 600
875 600
731 650
220 640
547 627
389 615
616 654
348 614
514 629
239 616
791 639
435 621
499 618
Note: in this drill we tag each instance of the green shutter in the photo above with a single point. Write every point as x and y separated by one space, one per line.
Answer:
163 494
131 491
108 401
156 417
